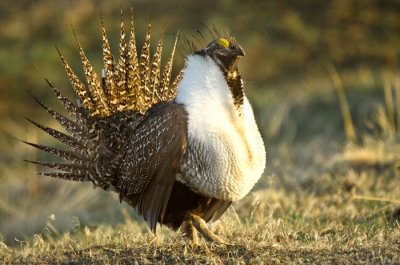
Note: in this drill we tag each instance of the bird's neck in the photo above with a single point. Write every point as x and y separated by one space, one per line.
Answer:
208 75
235 84
203 84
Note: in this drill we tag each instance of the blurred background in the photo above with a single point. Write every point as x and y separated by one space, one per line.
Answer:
322 77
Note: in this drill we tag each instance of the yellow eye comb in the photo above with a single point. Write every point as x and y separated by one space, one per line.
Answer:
223 42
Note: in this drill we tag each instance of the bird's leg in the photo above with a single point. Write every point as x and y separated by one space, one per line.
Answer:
190 232
201 226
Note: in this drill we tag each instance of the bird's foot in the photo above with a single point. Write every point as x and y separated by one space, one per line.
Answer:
190 232
202 227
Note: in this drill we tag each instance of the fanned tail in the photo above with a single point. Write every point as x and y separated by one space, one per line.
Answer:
144 91
97 95
76 130
78 115
155 72
63 138
80 166
171 92
133 77
168 93
77 84
110 83
63 154
133 84
79 171
84 177
122 93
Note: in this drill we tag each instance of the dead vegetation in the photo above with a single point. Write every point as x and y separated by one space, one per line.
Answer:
323 219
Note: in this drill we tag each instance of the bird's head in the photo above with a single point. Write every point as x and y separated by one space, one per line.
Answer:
224 51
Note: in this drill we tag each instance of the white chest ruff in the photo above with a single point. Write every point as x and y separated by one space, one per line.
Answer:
225 156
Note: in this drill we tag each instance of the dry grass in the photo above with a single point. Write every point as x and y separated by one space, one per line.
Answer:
361 232
270 243
318 220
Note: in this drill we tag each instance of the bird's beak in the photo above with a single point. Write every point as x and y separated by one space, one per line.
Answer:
239 52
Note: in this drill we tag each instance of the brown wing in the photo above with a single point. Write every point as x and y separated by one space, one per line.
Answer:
152 156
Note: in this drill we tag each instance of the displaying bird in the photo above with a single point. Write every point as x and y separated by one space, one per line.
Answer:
178 152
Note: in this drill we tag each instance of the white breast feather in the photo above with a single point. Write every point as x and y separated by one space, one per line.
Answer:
233 149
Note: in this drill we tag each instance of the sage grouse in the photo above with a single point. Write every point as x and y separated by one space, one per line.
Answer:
178 152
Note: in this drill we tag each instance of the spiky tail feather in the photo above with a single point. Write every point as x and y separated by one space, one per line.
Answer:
132 85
